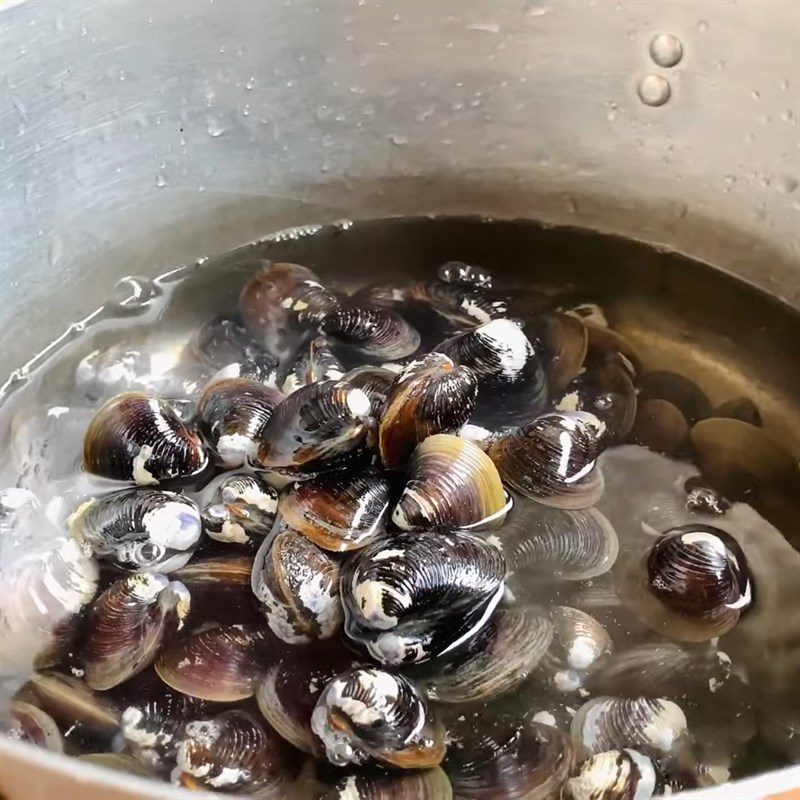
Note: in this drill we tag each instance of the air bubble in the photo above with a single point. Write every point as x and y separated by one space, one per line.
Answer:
702 25
133 292
214 127
654 90
666 50
161 178
246 110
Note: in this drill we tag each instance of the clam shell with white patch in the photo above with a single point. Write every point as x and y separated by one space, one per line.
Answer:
241 509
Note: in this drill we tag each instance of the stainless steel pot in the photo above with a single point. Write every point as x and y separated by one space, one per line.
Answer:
139 135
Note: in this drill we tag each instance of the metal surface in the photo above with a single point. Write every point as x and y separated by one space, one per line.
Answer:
140 135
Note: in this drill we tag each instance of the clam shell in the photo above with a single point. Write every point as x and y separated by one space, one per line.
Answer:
222 664
497 661
614 775
465 274
661 426
338 511
683 393
741 408
316 362
649 724
374 382
429 784
315 428
30 724
512 385
297 585
224 341
281 305
375 333
459 304
138 529
569 545
452 484
231 414
431 395
588 312
564 342
367 714
551 460
233 751
414 596
289 692
609 345
242 509
139 438
232 571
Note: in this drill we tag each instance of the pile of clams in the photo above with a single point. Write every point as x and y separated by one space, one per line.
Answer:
371 564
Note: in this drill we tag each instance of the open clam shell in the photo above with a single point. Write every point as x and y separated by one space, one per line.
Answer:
297 585
338 511
139 438
130 622
414 596
138 529
431 395
614 775
374 382
378 334
512 384
552 459
30 724
315 428
242 509
231 414
223 664
367 714
452 484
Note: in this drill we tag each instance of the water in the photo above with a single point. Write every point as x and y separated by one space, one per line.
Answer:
145 340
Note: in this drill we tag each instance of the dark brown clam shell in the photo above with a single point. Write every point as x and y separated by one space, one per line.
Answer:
606 344
512 384
661 426
379 334
231 414
464 274
564 341
614 775
338 511
242 509
427 784
30 724
741 408
130 622
289 692
413 596
231 752
683 393
224 342
374 382
138 529
459 304
318 427
315 362
139 438
223 664
231 571
551 460
281 305
452 484
369 715
431 395
297 585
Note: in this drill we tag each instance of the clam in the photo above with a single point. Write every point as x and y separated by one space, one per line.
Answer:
660 669
338 511
225 571
552 459
579 641
30 724
233 752
414 596
540 542
231 414
588 312
292 686
281 307
139 438
564 341
614 775
452 484
385 295
741 408
497 661
661 426
71 702
316 362
318 427
429 784
224 342
525 761
683 393
374 382
378 334
458 303
223 664
605 390
606 344
297 585
692 584
138 529
702 498
650 724
431 395
130 622
464 274
369 715
512 385
242 509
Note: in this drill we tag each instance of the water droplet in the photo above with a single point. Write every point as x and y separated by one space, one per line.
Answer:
702 25
786 184
246 110
787 115
572 205
666 50
397 138
654 90
613 109
214 127
84 30
328 141
249 84
784 84
425 113
730 182
755 94
535 9
486 27
161 178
